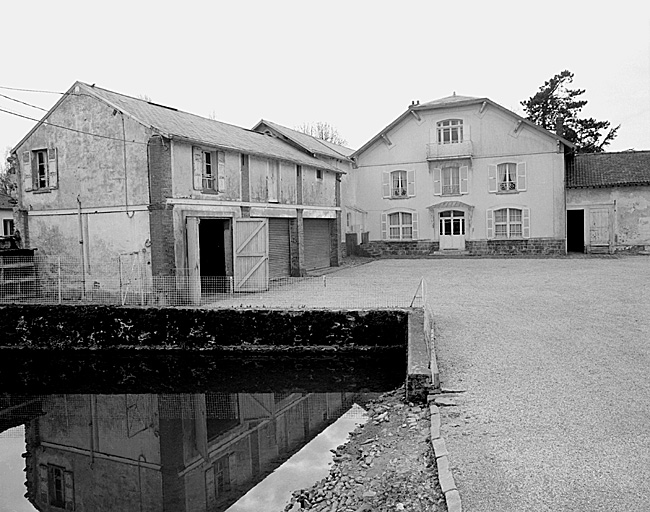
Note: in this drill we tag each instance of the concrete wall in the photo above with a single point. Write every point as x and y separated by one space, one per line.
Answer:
493 141
630 207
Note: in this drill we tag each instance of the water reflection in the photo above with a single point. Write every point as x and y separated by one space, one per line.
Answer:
164 452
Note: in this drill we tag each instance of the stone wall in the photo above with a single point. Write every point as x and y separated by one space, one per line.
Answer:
382 248
527 247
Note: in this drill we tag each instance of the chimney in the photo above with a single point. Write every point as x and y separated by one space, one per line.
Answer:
559 126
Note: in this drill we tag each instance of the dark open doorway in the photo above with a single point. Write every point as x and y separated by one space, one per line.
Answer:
213 253
575 231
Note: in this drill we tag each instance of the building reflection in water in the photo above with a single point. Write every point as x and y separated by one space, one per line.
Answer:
147 452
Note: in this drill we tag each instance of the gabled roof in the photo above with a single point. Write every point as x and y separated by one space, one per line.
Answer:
626 168
307 142
175 124
455 101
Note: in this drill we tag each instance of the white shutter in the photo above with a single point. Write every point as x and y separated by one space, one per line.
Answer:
466 133
521 176
69 490
525 219
52 168
490 224
437 181
384 226
43 483
26 166
492 178
410 183
221 171
415 225
197 158
386 184
464 179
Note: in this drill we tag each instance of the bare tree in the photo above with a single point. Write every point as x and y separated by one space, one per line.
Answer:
324 131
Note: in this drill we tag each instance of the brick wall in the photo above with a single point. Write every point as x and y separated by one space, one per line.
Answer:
160 213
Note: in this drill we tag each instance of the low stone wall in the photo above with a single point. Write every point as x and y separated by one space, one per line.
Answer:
505 247
383 248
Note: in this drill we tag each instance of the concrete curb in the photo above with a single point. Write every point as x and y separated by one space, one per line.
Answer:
445 476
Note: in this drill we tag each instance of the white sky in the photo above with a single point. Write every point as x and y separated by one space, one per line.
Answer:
354 64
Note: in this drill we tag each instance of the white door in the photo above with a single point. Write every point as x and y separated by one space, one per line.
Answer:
251 255
452 230
599 227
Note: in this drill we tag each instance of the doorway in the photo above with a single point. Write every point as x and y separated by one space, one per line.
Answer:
452 230
575 231
214 247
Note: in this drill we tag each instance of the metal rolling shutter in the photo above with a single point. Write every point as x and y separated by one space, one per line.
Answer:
317 243
279 256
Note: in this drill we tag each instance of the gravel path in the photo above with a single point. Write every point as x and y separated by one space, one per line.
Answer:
554 358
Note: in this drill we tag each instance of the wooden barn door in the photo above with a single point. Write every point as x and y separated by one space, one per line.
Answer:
251 255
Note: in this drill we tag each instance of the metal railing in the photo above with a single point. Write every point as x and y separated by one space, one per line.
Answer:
57 280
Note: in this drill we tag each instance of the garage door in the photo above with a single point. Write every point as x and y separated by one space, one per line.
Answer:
317 243
279 255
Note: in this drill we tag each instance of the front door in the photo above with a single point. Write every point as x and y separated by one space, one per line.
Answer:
452 230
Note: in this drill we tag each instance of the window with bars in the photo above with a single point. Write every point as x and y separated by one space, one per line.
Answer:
398 184
508 223
450 181
450 131
507 177
400 226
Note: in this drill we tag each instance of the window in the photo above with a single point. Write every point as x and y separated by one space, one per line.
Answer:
40 169
56 486
450 131
7 227
507 177
319 174
400 226
452 223
209 168
398 184
450 181
222 475
508 223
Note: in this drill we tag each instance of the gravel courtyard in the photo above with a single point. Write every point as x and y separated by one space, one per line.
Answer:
554 359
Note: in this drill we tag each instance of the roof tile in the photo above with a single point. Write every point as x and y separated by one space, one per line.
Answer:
608 169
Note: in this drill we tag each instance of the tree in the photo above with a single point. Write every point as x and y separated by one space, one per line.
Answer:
7 175
555 102
322 130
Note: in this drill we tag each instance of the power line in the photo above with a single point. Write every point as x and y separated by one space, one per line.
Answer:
30 90
24 103
72 129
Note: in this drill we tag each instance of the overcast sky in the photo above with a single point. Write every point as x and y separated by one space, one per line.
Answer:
354 64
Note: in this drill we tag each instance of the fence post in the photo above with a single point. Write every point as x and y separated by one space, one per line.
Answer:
59 275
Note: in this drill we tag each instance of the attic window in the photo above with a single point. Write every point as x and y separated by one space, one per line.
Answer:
450 131
319 174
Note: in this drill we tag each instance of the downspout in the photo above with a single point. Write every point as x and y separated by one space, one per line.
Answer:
126 182
81 249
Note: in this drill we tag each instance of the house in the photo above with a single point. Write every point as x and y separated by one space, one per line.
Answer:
122 183
6 215
334 154
462 175
173 452
608 202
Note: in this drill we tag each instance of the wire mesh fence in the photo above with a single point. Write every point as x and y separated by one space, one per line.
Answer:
56 280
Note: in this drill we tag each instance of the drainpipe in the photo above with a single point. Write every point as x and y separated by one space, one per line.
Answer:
81 249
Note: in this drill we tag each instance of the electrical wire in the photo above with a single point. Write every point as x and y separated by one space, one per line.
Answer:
72 129
24 103
30 90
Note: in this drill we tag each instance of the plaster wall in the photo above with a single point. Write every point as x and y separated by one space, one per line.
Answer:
631 206
90 168
493 141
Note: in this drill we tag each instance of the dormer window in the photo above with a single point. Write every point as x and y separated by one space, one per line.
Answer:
450 131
